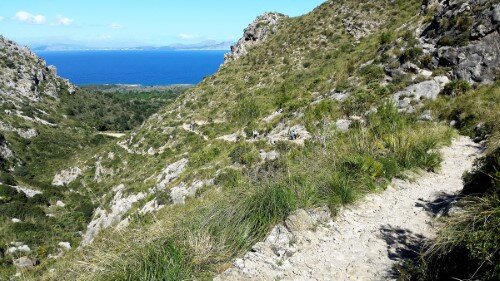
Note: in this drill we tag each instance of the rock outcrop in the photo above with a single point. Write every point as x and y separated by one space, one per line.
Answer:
413 95
66 177
25 76
464 35
257 32
118 207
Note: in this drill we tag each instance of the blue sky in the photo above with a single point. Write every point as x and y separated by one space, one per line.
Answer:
128 23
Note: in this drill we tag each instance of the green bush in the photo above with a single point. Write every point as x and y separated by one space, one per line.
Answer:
244 154
386 38
411 54
456 88
372 72
7 178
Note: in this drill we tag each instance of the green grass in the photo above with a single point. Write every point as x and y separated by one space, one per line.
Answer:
466 248
226 223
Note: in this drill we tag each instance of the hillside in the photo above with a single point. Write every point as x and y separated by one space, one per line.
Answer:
44 121
317 110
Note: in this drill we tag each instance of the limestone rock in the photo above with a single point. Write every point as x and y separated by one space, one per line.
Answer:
27 133
119 206
29 73
271 155
151 207
26 263
170 173
414 94
257 32
65 245
296 134
343 124
66 177
181 192
471 49
60 204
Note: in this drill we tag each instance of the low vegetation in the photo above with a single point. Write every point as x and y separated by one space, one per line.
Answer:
117 109
466 248
204 235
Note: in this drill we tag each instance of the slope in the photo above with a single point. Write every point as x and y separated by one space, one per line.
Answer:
365 241
308 116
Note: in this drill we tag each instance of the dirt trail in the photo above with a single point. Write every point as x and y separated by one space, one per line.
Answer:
365 240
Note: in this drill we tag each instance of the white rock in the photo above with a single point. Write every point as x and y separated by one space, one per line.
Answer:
151 206
182 191
119 206
14 220
170 173
66 177
343 124
60 203
65 245
24 248
427 90
11 250
425 73
28 191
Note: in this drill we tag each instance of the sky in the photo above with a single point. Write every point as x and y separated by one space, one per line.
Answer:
132 23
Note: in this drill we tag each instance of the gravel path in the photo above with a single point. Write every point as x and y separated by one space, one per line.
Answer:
365 240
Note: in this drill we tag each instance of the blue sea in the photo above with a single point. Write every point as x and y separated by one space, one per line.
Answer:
147 68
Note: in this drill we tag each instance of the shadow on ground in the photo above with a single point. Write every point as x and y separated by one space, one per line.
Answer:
403 245
440 206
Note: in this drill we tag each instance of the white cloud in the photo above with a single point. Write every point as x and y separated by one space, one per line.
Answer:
186 36
61 20
1 18
115 26
26 17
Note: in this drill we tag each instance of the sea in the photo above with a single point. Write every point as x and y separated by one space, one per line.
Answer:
137 67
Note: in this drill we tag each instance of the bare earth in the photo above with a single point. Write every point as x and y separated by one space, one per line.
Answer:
365 240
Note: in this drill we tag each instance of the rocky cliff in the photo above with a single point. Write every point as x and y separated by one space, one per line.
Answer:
26 77
257 32
464 35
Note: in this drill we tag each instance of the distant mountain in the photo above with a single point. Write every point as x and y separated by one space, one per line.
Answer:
204 45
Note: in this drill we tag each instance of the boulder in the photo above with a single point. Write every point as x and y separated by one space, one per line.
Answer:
343 124
65 245
300 220
66 177
414 94
472 48
26 263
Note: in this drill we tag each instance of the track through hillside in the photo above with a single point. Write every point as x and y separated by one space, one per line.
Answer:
365 240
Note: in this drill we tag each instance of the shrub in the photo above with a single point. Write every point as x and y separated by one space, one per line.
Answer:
456 88
411 54
7 178
372 72
244 154
426 61
386 38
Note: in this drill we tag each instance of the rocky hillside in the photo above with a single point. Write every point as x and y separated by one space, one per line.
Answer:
26 77
27 88
44 122
257 32
311 111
